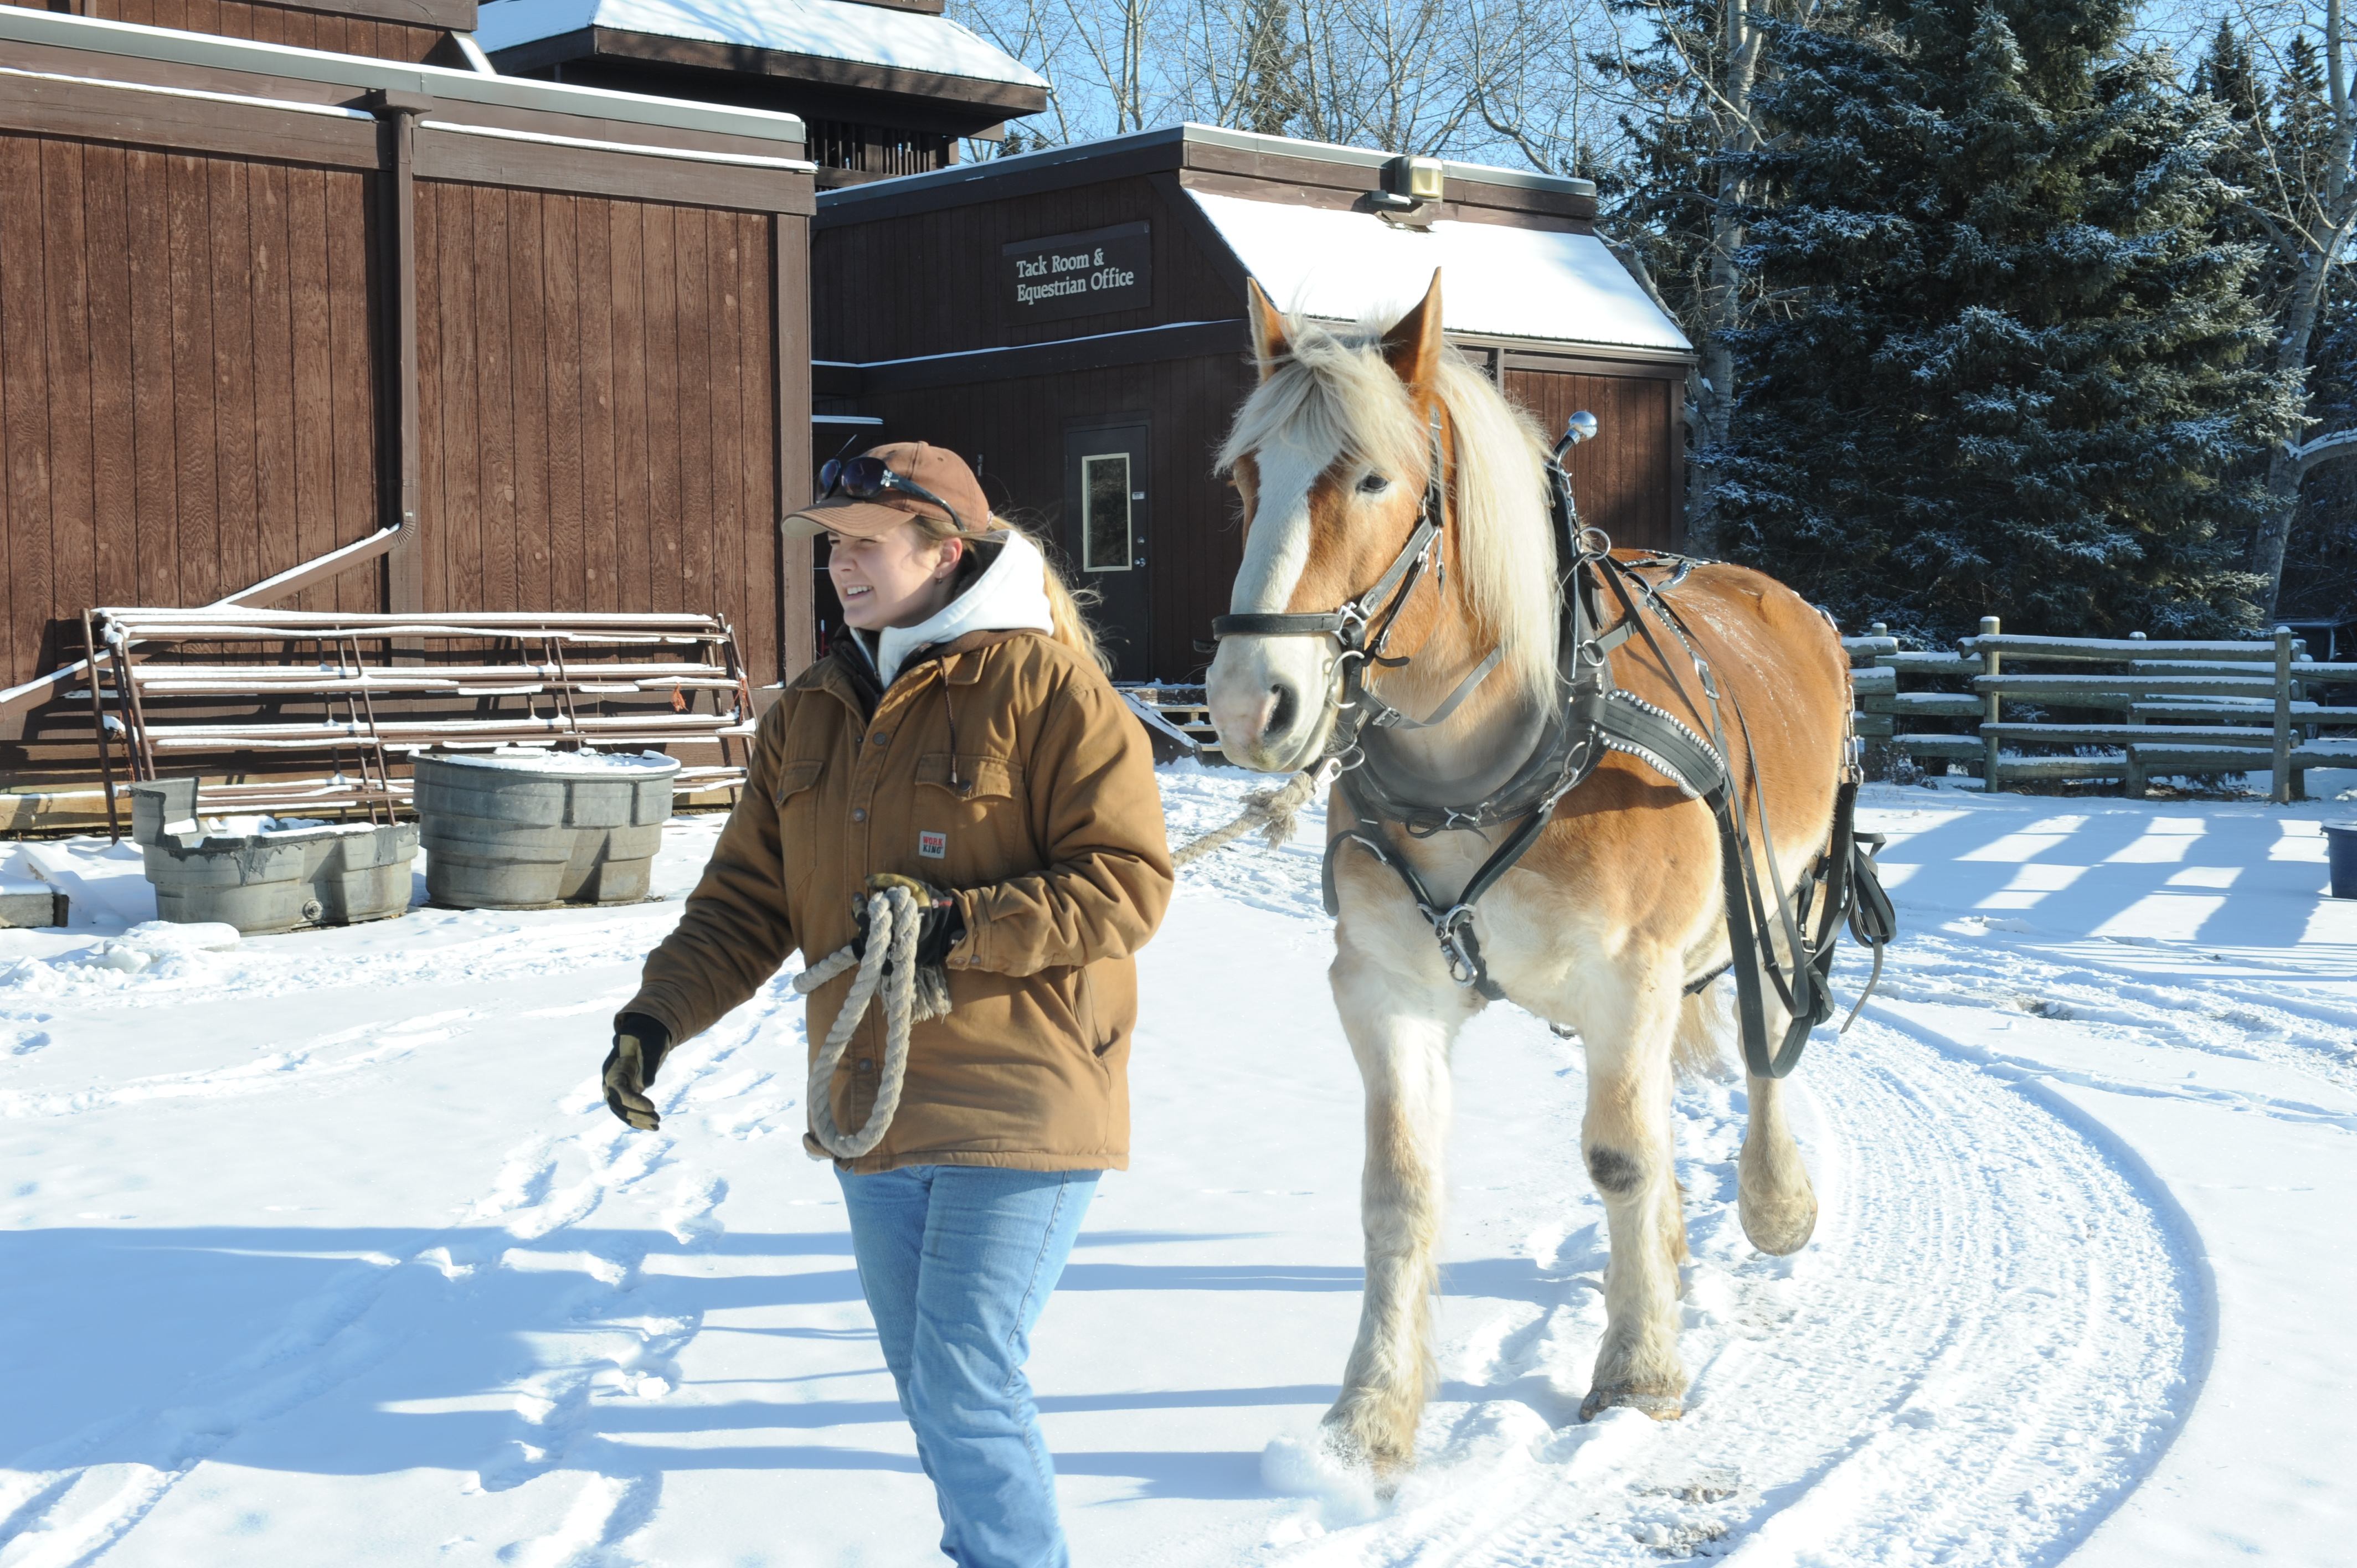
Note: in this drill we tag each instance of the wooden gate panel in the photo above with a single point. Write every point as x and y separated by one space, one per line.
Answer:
186 381
598 376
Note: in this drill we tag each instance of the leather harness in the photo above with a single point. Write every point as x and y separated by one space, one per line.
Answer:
1593 716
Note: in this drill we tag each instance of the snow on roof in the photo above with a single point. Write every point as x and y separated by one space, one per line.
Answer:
1498 280
827 30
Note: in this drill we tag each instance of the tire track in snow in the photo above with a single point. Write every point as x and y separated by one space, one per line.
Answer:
1990 1341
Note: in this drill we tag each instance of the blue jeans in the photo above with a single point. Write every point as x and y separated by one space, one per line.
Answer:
956 1261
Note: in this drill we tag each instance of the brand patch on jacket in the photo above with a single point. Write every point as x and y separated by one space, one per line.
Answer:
933 846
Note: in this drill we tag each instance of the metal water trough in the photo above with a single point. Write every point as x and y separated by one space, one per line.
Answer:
516 829
280 880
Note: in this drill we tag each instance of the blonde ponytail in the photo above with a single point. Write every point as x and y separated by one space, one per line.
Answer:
1072 628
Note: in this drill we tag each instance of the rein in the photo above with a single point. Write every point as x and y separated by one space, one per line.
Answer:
1595 716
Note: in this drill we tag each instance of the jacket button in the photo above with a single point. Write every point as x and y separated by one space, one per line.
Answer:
879 737
860 814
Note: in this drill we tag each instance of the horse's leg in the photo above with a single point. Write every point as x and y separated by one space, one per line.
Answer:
1400 1022
1626 1138
1778 1204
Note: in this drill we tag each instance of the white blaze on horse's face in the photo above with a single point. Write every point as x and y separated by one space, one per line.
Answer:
1273 698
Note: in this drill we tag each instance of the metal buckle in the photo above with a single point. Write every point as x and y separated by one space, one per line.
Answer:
1452 929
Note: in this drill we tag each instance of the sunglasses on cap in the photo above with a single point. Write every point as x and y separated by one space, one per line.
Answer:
864 478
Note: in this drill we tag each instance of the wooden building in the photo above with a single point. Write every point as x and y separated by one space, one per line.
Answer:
283 301
1073 321
886 87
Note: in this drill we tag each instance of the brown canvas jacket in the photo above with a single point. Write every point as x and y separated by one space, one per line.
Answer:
1039 785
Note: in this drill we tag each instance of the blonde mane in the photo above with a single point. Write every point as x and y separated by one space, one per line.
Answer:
1335 390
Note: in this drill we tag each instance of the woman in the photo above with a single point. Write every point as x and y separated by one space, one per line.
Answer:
959 739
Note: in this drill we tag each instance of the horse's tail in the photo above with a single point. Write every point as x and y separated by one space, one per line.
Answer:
1705 1030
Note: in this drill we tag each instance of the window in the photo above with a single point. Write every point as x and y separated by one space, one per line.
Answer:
1105 538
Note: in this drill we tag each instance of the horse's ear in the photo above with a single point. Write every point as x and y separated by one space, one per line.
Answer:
1414 343
1269 342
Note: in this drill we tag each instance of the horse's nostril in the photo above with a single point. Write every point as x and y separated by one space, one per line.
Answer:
1280 716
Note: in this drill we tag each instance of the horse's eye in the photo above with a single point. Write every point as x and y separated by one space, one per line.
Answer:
1373 485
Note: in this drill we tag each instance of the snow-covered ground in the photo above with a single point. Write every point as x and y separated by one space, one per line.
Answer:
321 1248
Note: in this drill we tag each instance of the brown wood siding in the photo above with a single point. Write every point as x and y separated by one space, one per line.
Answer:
187 382
1626 481
929 282
598 390
276 25
1015 429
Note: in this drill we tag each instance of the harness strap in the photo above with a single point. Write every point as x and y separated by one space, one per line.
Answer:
1383 715
1356 614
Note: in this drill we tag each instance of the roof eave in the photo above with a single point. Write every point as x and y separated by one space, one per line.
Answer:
1005 99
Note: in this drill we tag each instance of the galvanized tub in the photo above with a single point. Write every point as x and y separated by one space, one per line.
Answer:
520 828
273 878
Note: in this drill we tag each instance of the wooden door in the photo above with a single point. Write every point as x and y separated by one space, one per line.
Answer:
1105 538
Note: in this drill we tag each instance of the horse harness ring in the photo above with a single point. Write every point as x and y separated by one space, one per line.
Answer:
1593 718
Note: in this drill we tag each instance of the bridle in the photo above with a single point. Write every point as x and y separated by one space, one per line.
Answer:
1361 628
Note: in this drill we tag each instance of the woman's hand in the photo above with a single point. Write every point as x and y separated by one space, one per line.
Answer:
939 925
640 1046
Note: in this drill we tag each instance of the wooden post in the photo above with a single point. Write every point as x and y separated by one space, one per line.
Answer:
98 725
1989 744
405 565
2282 792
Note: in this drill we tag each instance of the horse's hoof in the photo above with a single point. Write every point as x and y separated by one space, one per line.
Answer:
1780 1230
1344 1436
1660 1406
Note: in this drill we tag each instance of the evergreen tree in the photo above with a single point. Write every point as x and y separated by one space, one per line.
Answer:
2013 366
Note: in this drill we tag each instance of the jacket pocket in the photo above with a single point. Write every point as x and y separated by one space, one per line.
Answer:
1091 1031
968 777
796 799
793 778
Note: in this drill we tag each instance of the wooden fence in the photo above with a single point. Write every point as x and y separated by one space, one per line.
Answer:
2159 709
2018 708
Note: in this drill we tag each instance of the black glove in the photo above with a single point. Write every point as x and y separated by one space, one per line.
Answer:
640 1046
941 924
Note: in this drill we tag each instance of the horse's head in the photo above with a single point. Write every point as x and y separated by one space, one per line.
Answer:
1331 455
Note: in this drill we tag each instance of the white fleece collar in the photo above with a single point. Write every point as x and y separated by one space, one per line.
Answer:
1011 595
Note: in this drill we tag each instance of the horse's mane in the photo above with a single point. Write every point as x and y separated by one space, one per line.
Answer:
1334 390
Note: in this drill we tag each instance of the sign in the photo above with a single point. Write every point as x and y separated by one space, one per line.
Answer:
1066 275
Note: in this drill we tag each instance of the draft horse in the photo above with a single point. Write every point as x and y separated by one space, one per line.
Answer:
1550 832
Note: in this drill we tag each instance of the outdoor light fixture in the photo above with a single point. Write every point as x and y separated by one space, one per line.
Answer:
1411 189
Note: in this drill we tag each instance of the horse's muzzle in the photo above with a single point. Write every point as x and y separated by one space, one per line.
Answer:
1265 695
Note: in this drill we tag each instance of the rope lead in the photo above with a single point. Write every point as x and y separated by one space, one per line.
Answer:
890 965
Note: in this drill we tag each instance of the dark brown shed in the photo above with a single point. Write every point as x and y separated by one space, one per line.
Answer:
373 334
1072 320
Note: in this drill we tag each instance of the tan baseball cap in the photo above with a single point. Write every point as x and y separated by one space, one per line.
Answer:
936 469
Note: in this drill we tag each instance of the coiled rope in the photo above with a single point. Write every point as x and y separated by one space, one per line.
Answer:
911 996
889 965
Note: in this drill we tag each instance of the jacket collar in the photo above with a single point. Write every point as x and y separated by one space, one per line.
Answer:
846 673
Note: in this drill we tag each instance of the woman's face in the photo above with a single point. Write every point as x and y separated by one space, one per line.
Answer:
901 579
